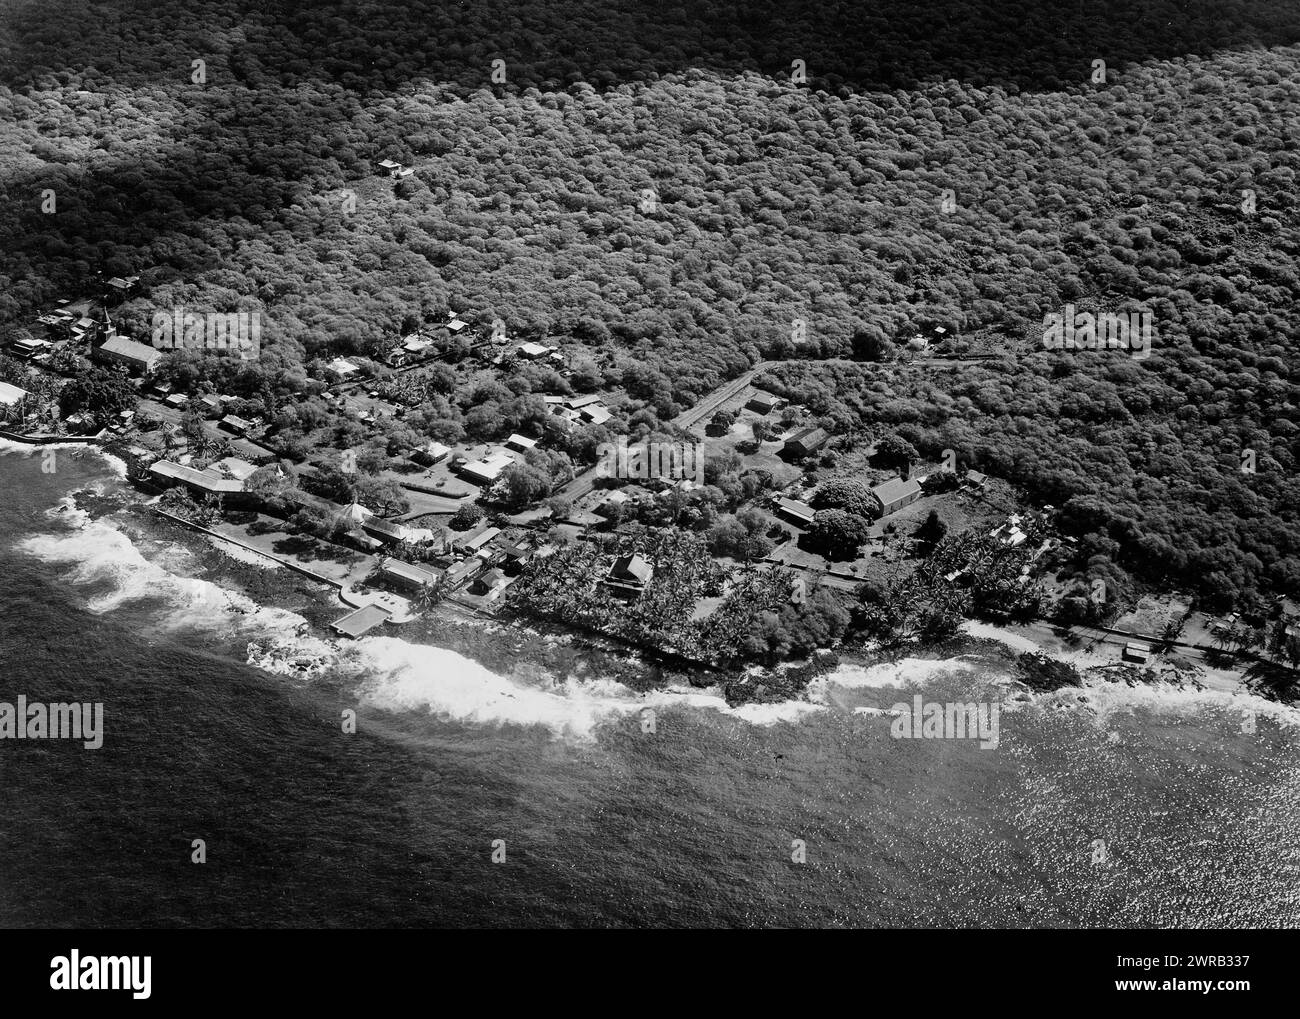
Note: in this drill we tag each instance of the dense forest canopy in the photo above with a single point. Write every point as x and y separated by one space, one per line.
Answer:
650 182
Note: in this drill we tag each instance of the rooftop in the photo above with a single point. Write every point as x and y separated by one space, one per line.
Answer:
354 624
895 489
9 395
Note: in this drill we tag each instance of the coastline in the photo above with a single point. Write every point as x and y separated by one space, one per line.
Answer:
555 659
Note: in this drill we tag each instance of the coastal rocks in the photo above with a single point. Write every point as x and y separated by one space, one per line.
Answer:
290 657
1044 674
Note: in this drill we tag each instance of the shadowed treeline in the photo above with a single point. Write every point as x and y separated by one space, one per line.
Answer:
875 44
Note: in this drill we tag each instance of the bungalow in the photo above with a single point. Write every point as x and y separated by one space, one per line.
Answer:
119 287
234 424
466 569
26 347
177 400
629 576
137 357
533 350
431 454
474 542
83 327
490 584
804 442
521 442
390 166
384 530
1008 534
517 556
974 479
596 414
896 493
763 403
578 402
456 324
415 344
488 469
407 577
796 512
167 474
342 367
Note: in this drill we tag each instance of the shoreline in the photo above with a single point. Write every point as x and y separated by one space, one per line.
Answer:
510 649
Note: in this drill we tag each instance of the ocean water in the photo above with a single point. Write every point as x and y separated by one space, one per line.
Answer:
603 824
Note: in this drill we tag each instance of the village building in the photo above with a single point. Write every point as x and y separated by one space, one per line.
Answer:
342 367
489 584
433 453
384 530
763 403
796 512
486 470
27 348
138 358
168 474
521 442
628 577
896 493
474 542
1009 533
456 324
236 425
466 569
596 414
177 400
516 555
409 578
804 443
974 479
531 351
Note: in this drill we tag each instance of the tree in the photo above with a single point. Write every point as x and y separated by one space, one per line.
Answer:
101 393
722 419
465 517
762 430
523 485
933 530
838 534
895 451
848 495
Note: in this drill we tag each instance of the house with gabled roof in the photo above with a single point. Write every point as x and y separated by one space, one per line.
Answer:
629 575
